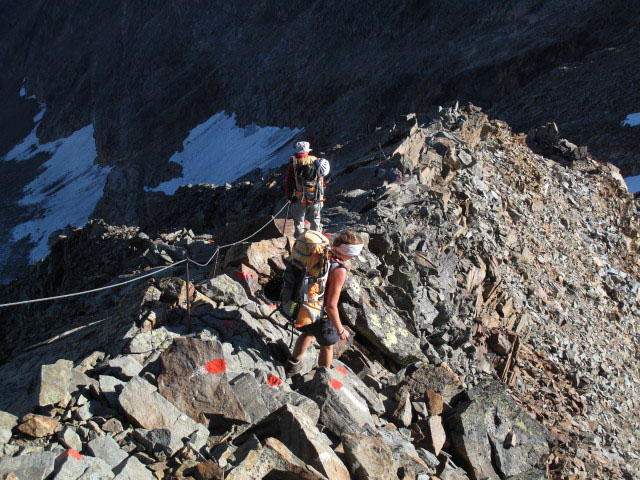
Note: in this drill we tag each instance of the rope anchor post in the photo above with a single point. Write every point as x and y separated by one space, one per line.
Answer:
186 273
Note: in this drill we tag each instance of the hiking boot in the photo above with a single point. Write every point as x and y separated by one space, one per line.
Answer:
291 368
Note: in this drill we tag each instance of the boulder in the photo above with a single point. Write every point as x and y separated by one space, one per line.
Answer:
106 448
148 409
479 427
194 379
224 289
71 465
275 460
162 443
124 367
132 469
7 420
69 438
430 378
32 466
111 388
54 383
300 434
342 410
385 329
37 426
368 458
150 341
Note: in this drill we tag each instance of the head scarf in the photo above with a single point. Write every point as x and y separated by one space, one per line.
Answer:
349 249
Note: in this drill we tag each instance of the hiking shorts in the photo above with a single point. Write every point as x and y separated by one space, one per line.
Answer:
325 332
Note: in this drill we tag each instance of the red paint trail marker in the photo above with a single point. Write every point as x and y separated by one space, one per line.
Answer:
328 235
342 370
70 453
272 305
216 366
273 381
336 384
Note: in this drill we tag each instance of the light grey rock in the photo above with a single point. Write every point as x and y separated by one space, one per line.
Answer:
150 341
148 409
124 367
106 448
54 383
72 466
111 388
224 289
32 466
8 420
69 438
132 469
5 435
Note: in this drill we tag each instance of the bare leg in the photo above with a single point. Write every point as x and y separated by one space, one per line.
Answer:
303 342
325 356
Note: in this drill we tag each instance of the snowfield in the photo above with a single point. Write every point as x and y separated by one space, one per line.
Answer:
66 191
632 120
218 151
633 184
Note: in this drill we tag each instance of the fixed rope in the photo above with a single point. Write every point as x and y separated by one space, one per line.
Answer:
160 269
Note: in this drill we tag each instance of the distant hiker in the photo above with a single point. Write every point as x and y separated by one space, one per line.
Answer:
319 318
304 186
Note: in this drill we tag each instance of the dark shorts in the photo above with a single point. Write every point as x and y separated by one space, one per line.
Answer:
325 332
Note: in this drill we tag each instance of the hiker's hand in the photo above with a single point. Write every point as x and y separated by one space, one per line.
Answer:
344 334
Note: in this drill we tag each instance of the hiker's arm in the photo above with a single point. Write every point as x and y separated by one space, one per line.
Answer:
334 286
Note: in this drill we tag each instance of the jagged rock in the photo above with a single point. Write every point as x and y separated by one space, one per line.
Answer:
148 342
36 465
194 379
373 400
37 425
342 410
106 448
162 443
148 409
124 367
402 414
481 443
113 425
71 465
273 459
368 458
300 434
54 383
69 438
208 470
132 469
435 403
223 289
439 379
387 331
534 474
7 422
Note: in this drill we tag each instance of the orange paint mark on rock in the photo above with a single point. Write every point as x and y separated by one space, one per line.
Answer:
216 366
273 381
70 453
336 384
272 305
342 370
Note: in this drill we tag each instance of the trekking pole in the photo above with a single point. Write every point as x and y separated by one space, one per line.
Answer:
284 227
188 296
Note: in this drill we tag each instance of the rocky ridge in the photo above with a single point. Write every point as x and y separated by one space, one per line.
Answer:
494 310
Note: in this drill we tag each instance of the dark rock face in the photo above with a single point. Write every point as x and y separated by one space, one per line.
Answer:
180 64
495 436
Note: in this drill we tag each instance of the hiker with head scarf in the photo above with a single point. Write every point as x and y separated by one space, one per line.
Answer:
304 187
328 330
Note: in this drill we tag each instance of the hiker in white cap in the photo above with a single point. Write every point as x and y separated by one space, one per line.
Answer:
304 186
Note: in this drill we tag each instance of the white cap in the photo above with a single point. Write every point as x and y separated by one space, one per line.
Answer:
303 147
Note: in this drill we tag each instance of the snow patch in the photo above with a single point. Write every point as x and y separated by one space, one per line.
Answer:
67 189
633 184
218 151
632 120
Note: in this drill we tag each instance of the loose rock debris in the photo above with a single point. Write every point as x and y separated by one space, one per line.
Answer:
495 312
